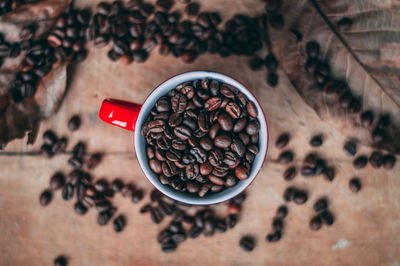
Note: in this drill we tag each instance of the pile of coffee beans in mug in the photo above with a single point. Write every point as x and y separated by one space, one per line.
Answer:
202 137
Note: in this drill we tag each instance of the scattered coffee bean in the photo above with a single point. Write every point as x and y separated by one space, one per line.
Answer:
247 243
274 237
360 162
74 123
388 161
288 195
316 141
327 217
50 137
350 148
299 197
367 118
316 223
117 185
119 223
376 159
321 205
80 208
355 184
329 173
256 63
60 261
312 49
286 157
272 79
94 161
45 197
282 141
57 181
281 212
290 173
137 196
68 191
271 63
104 217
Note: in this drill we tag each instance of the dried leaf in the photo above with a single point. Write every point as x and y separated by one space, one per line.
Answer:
309 19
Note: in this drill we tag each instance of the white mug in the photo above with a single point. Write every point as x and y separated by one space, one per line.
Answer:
131 116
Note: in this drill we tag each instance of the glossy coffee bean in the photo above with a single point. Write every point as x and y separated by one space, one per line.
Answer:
45 197
355 184
316 223
247 243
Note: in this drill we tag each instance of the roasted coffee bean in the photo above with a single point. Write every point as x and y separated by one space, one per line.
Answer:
329 173
274 237
46 150
253 127
128 190
299 197
60 146
316 223
226 123
79 149
50 137
119 223
75 162
288 195
281 212
247 243
204 189
271 63
277 224
376 159
156 215
192 186
146 208
378 135
350 148
286 157
233 110
222 141
316 141
344 24
182 132
213 104
220 226
290 173
57 181
45 197
238 147
388 161
241 172
321 205
205 169
272 79
80 208
209 226
101 185
162 105
355 184
214 131
256 63
68 191
312 49
137 196
366 118
104 217
360 162
307 171
60 261
192 171
282 141
327 217
117 185
383 122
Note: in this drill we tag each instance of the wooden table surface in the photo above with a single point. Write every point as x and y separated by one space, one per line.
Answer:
367 224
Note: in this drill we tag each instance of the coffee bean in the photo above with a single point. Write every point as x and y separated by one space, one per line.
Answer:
355 185
350 148
290 173
286 157
225 121
253 127
60 261
222 141
57 181
101 185
271 63
312 49
247 243
316 223
360 162
50 137
156 215
366 118
282 141
45 197
277 224
213 103
182 132
233 110
321 205
329 173
137 196
344 24
204 189
104 217
274 237
378 135
241 172
46 150
68 191
376 159
162 105
119 223
316 141
117 185
80 208
281 212
299 197
388 161
327 217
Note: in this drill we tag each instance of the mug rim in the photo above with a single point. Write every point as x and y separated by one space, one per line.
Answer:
142 157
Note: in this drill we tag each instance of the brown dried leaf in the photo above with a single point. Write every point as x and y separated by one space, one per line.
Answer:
361 75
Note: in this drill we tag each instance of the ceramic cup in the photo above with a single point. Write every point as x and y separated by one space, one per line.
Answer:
131 116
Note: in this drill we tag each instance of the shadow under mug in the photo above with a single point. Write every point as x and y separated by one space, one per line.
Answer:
131 116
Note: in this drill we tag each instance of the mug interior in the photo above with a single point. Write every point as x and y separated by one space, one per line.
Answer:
140 142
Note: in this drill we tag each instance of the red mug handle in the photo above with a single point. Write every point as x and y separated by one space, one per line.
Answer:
120 113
